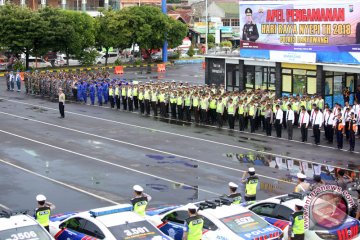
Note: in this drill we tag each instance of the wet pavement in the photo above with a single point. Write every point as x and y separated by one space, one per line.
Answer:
94 156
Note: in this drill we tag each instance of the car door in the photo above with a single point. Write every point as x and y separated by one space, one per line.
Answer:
270 212
71 229
174 224
92 230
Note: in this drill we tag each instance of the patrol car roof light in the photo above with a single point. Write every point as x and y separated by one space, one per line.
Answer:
8 214
110 210
225 201
211 204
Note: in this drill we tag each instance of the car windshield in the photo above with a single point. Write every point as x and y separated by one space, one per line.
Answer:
33 232
137 230
244 222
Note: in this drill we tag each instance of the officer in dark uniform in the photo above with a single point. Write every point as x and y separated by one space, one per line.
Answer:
352 131
193 225
250 31
234 196
251 183
296 226
140 201
43 211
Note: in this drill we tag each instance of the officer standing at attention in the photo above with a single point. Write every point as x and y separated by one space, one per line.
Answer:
302 186
234 195
296 226
251 183
61 103
43 211
193 224
140 201
250 31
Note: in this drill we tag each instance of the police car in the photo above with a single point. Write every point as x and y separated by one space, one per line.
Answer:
18 225
108 223
222 220
277 211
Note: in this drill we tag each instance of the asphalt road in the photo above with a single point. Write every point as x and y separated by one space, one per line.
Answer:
94 156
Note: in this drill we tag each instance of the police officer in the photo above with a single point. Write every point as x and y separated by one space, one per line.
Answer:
250 31
234 195
251 183
140 200
352 131
296 226
193 225
43 211
302 186
61 103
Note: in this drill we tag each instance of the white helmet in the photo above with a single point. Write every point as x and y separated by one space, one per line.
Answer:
138 188
40 198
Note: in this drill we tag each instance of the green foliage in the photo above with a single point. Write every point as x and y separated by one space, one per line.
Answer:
118 62
211 38
18 65
226 44
211 45
137 62
176 55
87 58
191 51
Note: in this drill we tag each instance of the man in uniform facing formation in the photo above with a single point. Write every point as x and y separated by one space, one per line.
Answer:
193 225
140 200
302 186
43 211
296 226
234 196
251 183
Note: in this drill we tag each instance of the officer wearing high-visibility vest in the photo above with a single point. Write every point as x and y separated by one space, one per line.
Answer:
252 111
173 98
193 225
241 112
43 211
220 112
212 109
140 200
147 98
124 96
141 100
180 106
296 226
111 96
187 104
234 195
117 96
251 183
231 108
195 107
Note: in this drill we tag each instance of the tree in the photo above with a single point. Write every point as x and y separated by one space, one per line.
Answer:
191 51
150 27
111 31
23 31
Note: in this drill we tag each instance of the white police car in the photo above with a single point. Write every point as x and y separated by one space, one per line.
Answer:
277 211
221 221
108 223
15 226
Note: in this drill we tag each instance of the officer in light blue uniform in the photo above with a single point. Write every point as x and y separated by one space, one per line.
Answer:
84 91
99 93
18 81
106 91
92 89
79 91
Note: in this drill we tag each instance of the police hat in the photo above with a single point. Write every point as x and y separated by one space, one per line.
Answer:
248 12
299 203
301 176
40 198
233 185
250 169
192 206
138 188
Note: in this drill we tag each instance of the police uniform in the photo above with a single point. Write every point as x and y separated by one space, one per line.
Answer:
296 226
194 225
141 201
43 212
234 196
251 183
250 31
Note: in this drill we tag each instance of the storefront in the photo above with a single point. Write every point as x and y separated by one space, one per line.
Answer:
286 79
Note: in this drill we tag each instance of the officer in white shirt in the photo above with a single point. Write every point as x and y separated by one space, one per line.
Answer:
304 119
290 119
346 118
317 122
278 120
329 125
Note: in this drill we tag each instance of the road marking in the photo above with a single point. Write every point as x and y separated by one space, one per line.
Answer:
58 182
109 163
200 139
4 207
177 134
138 146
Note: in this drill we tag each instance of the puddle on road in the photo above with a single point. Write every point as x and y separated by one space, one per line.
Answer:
37 109
289 167
162 159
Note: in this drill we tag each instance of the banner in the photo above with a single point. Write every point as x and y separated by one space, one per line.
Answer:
302 26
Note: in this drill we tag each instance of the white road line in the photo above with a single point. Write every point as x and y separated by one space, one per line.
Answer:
139 146
180 135
4 207
58 182
109 163
200 139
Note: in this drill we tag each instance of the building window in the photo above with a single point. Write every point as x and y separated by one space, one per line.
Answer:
226 22
235 22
